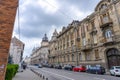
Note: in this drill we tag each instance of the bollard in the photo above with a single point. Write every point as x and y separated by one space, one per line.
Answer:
46 78
40 75
43 77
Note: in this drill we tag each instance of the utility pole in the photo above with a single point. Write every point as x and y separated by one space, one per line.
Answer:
7 16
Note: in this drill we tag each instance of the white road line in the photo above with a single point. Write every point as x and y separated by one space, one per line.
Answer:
57 74
99 78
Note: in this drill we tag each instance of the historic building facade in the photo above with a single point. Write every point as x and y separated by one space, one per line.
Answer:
52 48
40 54
16 50
93 41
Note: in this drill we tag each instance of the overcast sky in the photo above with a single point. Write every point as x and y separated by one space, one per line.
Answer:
38 17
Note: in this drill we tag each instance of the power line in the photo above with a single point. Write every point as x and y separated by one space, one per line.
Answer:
59 10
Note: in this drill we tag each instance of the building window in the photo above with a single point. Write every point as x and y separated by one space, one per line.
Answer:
84 42
95 39
96 54
80 57
108 34
87 56
64 59
68 58
72 57
103 7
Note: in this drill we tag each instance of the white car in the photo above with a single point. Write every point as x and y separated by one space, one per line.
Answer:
115 70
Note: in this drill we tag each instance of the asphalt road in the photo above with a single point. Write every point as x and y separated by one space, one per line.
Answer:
56 74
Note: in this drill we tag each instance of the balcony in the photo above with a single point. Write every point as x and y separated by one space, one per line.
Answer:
113 39
93 31
106 24
86 47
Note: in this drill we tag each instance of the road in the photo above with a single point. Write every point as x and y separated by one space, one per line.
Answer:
56 74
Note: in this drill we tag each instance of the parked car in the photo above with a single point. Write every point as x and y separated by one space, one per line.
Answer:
96 70
36 64
58 66
40 66
79 68
68 67
45 65
115 70
51 66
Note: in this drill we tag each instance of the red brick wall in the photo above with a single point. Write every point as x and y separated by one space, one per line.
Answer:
7 17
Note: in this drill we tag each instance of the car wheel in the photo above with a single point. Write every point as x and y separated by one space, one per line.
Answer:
111 74
114 74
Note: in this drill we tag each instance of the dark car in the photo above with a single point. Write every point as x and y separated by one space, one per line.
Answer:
51 66
58 66
96 70
45 65
68 67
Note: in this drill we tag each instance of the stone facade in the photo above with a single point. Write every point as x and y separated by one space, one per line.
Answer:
7 17
16 50
40 54
93 41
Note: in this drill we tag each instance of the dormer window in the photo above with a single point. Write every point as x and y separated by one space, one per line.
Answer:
103 7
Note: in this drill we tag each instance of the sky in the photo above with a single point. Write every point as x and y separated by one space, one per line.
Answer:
37 17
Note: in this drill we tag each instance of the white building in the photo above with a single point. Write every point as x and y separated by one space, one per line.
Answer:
16 50
27 60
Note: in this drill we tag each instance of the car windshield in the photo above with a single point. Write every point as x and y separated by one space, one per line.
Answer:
118 67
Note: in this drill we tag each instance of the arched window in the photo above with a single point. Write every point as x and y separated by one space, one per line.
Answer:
103 7
108 34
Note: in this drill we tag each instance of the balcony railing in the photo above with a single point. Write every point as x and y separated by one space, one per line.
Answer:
106 24
86 47
115 38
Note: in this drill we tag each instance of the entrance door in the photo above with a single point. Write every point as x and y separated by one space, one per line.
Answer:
113 57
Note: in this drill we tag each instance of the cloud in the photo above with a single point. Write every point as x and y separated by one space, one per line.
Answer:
38 17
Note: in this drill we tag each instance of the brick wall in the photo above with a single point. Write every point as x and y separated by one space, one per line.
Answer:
7 17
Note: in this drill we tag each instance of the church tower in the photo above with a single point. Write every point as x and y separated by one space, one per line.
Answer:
54 36
44 41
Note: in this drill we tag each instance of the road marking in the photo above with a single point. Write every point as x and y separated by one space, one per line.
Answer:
57 75
99 78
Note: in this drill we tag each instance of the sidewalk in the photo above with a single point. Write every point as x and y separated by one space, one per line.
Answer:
26 75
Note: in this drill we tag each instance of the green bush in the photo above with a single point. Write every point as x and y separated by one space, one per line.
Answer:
11 71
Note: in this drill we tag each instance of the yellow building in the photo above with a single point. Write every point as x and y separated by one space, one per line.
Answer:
93 41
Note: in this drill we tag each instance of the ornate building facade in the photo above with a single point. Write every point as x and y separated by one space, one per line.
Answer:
93 41
40 54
